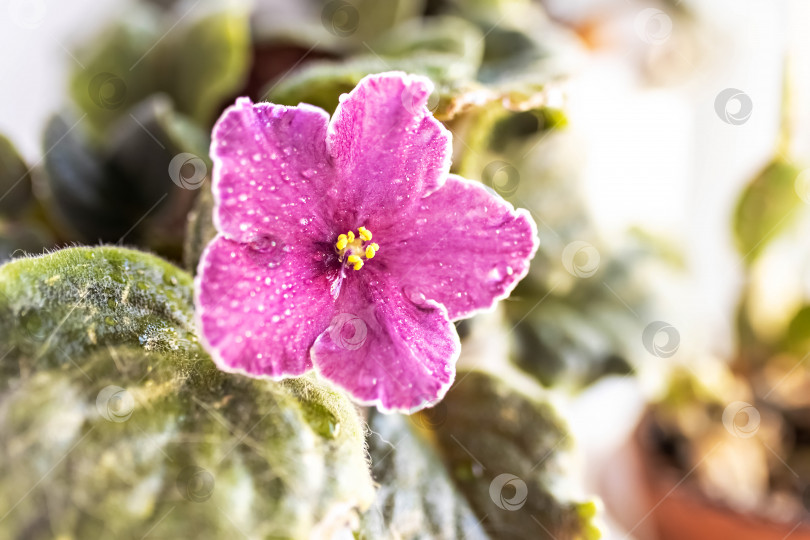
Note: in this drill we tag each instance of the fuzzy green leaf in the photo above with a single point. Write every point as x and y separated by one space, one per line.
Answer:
115 423
416 498
486 462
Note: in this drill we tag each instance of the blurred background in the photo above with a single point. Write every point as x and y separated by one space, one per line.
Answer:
660 146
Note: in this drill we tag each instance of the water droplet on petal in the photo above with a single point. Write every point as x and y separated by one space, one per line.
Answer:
414 295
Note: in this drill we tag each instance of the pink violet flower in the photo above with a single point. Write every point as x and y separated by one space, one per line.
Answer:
346 246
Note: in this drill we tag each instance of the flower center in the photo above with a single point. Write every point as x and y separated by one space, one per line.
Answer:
356 248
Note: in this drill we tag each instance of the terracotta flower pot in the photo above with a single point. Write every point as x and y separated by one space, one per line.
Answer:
654 500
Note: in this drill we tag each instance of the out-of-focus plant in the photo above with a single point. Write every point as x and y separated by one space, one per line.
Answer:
125 162
746 419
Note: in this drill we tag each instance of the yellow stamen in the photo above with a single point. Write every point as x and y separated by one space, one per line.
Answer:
342 242
353 249
356 261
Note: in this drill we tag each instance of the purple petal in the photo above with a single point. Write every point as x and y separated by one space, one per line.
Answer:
259 311
385 350
466 248
271 172
386 146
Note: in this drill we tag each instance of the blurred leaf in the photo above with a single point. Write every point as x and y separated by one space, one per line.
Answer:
78 183
335 25
17 239
570 344
322 83
765 208
140 155
518 66
453 36
416 497
200 230
111 403
505 450
200 63
449 51
798 333
15 181
210 57
118 69
126 190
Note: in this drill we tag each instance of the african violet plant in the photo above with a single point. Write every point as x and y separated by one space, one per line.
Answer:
334 260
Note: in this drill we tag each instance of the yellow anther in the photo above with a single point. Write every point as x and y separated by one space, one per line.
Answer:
375 246
353 249
342 242
356 261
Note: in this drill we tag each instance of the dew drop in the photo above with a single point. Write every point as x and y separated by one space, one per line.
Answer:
413 294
